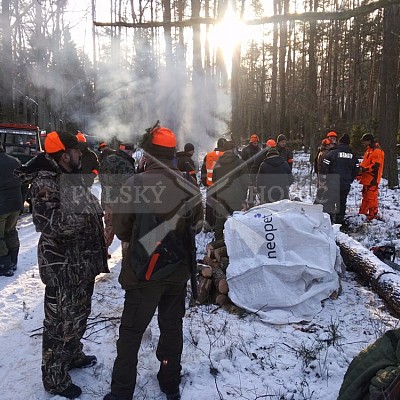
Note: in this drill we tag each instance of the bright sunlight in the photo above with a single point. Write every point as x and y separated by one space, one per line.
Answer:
227 34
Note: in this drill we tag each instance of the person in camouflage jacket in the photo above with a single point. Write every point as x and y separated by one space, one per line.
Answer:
71 253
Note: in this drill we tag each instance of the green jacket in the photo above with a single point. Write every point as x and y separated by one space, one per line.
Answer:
373 369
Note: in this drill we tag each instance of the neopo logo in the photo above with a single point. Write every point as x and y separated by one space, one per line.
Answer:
269 230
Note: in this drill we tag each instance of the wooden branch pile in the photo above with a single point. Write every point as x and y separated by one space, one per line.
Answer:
212 285
383 279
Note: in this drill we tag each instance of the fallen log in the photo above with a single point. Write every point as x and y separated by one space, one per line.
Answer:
220 253
211 262
371 271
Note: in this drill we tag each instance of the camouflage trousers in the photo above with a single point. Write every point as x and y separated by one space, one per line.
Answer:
8 232
108 227
66 311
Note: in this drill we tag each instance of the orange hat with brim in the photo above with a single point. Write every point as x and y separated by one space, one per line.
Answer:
164 137
331 134
254 138
270 143
55 142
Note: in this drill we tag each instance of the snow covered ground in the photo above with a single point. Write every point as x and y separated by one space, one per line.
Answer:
225 356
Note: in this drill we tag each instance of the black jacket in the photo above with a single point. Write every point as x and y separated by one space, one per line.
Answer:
185 162
341 161
273 179
231 181
10 184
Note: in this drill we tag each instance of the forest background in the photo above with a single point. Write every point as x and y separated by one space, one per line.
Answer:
298 67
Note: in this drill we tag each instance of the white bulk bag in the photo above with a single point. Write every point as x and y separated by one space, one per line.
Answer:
281 260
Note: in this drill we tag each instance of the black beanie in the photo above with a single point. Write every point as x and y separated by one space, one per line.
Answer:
188 147
345 139
280 137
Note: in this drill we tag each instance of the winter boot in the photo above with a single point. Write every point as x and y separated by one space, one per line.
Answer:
71 392
172 396
6 268
13 253
84 362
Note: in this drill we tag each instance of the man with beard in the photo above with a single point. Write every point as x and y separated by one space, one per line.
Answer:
71 253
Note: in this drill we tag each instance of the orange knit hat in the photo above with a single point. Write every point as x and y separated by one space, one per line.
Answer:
163 137
270 143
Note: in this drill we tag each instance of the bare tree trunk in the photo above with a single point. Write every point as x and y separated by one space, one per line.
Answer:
274 76
389 98
6 77
282 69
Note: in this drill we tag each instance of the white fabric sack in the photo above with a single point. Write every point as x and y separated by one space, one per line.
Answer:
281 260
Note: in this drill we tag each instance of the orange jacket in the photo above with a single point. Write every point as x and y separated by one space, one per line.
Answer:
371 167
208 166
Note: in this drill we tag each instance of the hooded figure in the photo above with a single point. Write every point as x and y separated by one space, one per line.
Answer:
274 178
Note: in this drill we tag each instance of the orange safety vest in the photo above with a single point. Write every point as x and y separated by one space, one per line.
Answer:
211 159
370 170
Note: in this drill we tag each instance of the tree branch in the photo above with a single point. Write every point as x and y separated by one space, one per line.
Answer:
305 17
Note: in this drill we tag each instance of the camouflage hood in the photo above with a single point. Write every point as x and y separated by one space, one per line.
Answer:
41 163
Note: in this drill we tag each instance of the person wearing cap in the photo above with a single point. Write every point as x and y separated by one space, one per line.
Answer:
114 170
284 151
11 203
339 169
185 161
231 181
370 174
332 136
251 150
71 253
206 175
274 178
104 151
323 150
89 162
168 294
255 166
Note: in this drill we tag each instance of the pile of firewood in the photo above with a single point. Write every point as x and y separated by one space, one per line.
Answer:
212 285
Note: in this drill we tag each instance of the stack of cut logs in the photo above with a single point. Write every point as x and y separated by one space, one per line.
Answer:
212 285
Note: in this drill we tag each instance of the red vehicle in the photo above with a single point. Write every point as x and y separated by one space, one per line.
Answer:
21 140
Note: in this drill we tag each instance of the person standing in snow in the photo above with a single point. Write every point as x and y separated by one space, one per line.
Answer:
371 169
274 178
71 253
143 295
185 161
284 151
249 152
90 163
232 180
10 207
207 170
323 150
115 169
339 168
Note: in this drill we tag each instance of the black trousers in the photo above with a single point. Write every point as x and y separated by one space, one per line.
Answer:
139 308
